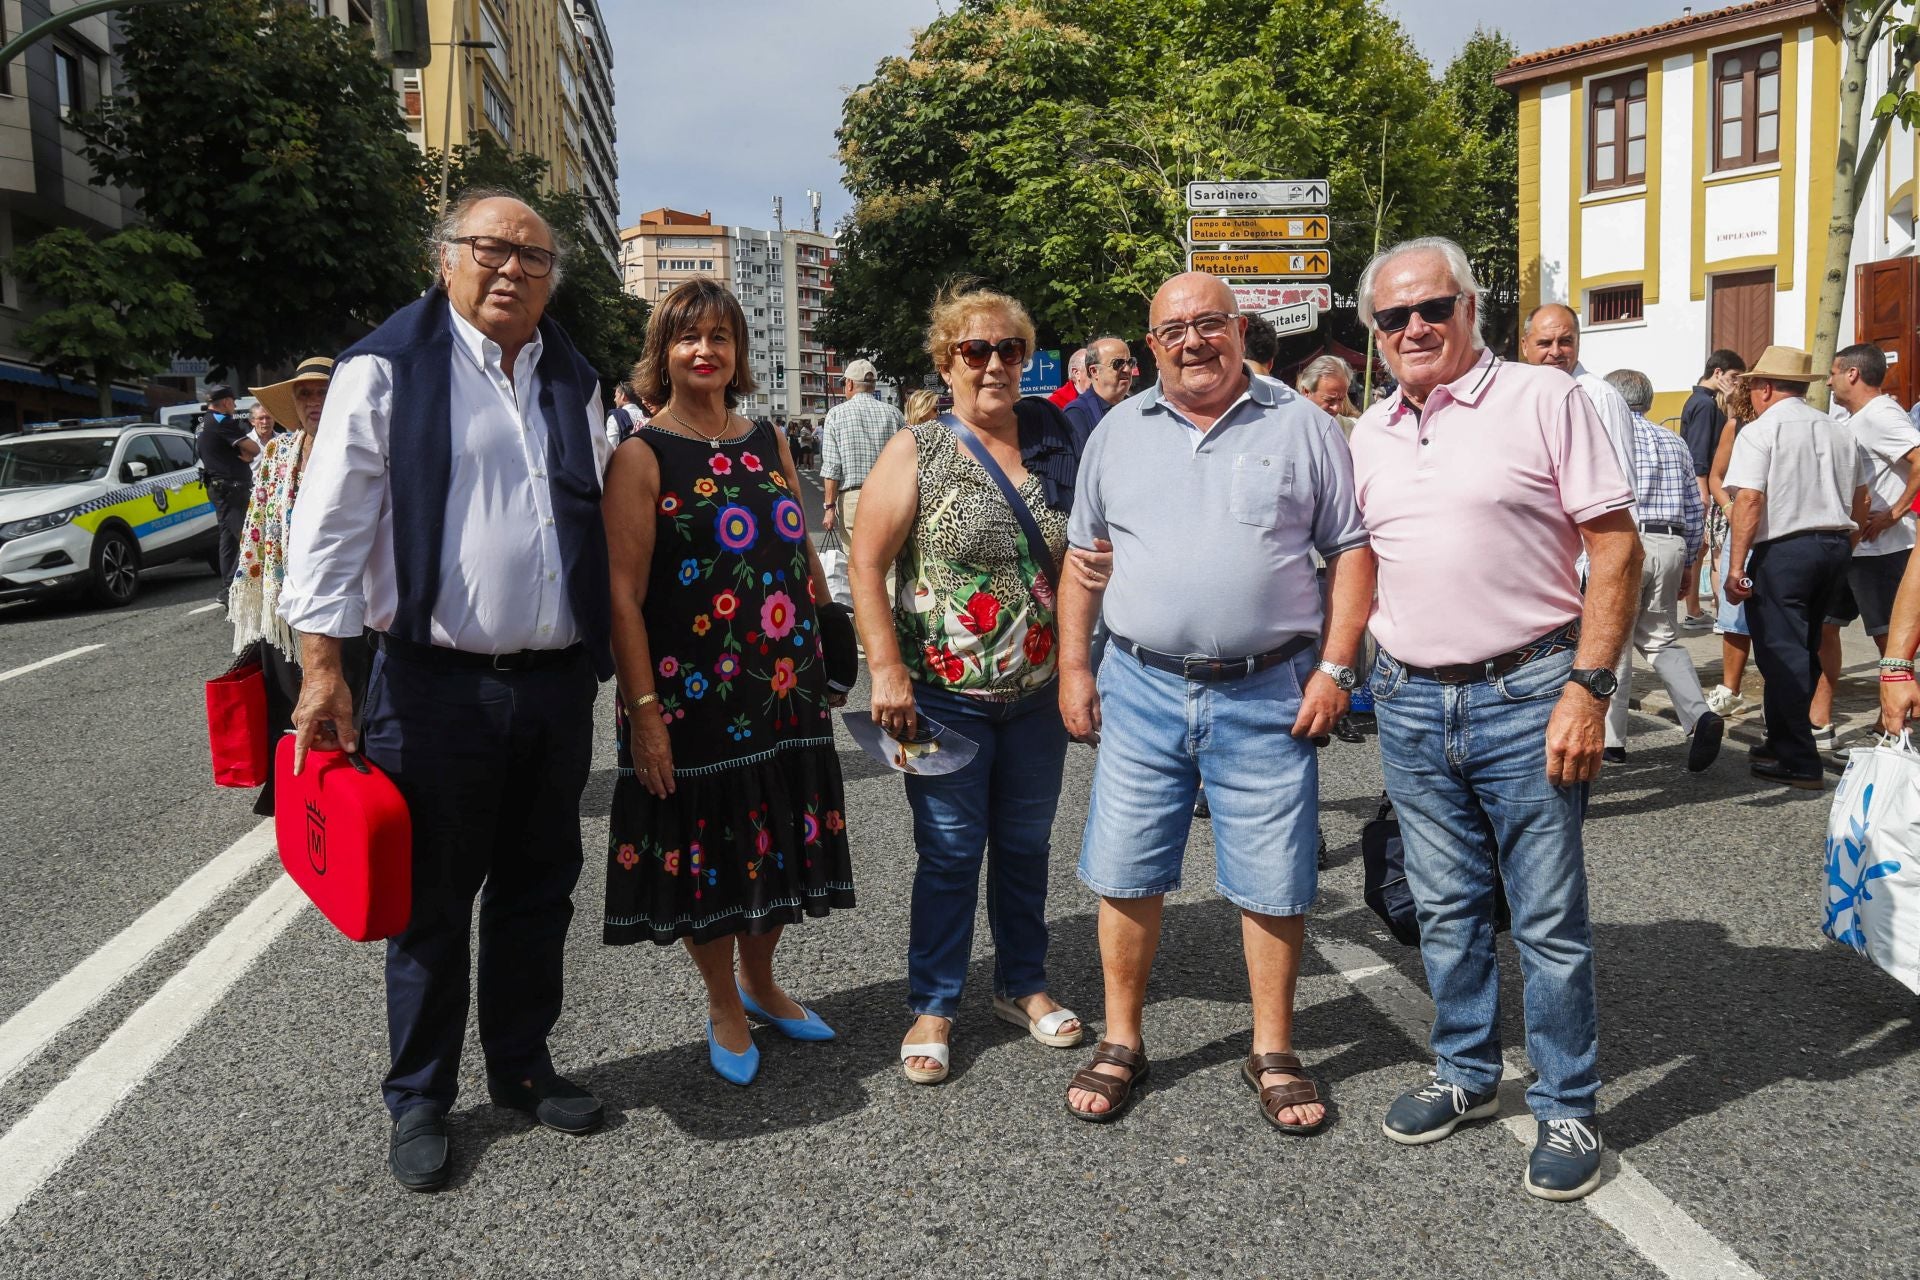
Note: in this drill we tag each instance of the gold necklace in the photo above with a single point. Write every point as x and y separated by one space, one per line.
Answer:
724 425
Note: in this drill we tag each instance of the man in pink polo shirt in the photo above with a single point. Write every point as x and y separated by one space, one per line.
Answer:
1480 481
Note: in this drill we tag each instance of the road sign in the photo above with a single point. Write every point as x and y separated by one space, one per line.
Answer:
1270 263
1040 374
1265 297
1268 229
1280 193
1297 317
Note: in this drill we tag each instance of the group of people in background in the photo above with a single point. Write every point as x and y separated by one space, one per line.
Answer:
1194 577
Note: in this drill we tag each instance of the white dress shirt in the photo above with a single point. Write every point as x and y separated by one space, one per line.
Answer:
502 584
1618 420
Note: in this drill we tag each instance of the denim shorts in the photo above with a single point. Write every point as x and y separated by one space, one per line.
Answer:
1161 736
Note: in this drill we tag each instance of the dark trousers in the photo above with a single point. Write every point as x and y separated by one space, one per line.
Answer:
492 765
1794 579
230 510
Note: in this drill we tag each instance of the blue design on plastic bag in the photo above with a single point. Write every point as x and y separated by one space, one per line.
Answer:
1848 876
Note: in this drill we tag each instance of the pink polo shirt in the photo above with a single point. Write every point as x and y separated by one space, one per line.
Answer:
1474 509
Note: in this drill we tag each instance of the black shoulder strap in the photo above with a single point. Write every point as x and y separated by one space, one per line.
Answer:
1029 530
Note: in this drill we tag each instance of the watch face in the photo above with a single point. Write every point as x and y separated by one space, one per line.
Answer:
1602 683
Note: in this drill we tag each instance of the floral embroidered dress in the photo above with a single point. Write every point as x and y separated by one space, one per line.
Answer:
753 836
965 606
253 597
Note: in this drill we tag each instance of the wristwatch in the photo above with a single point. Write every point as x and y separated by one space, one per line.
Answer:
1345 677
1599 681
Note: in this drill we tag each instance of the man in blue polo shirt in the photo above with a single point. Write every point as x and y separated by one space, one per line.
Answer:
1215 490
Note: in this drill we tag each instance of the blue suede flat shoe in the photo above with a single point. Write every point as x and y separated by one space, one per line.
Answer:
809 1027
734 1068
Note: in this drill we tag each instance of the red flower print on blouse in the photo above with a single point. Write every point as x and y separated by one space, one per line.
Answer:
751 461
627 857
835 822
980 614
945 662
1043 591
673 862
726 604
783 677
669 504
1038 644
721 464
778 616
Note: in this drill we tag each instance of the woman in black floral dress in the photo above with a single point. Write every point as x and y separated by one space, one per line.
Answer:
727 819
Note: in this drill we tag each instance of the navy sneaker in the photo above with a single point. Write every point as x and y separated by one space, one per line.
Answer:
1565 1163
1431 1113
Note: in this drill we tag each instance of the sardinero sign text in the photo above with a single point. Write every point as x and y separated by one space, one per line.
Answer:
1279 193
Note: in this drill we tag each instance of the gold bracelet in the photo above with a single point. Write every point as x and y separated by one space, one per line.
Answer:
643 700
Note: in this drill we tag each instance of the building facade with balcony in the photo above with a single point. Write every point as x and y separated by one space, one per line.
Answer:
808 285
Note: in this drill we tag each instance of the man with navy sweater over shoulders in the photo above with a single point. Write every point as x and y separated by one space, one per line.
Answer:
482 573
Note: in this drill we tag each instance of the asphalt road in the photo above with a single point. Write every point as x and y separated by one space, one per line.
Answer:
195 1092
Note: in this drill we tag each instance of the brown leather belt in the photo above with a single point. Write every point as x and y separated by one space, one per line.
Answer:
1553 642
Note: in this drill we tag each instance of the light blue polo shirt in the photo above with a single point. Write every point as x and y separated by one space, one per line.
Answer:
1214 532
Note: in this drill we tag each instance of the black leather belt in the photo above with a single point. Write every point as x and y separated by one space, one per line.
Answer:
1677 530
433 655
1473 672
1196 667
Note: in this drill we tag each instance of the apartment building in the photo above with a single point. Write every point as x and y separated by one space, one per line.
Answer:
543 84
782 279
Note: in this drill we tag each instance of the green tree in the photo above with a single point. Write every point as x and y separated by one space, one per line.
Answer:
1047 148
1486 212
270 138
607 324
119 306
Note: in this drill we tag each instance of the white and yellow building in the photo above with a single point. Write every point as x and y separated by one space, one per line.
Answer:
1675 187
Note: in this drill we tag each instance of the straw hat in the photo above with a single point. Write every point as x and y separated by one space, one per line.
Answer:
1788 364
279 397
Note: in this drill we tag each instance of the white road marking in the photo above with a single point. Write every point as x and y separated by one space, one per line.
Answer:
30 1030
47 662
205 608
1652 1224
47 1136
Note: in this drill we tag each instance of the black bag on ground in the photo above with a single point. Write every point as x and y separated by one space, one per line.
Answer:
1385 865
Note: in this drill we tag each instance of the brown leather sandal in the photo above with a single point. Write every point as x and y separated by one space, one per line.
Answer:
1275 1098
1118 1093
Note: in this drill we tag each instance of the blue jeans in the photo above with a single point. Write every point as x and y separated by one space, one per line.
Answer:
1002 803
1466 768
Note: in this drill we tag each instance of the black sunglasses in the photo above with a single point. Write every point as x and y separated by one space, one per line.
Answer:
1123 366
1433 311
977 351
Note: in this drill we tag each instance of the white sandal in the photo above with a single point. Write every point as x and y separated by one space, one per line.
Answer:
940 1053
1045 1028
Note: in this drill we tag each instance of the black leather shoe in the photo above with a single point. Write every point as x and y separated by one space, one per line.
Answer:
554 1101
1707 732
1770 770
1345 730
417 1151
1614 755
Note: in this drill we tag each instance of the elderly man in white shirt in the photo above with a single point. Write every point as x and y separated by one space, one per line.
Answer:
452 508
1552 337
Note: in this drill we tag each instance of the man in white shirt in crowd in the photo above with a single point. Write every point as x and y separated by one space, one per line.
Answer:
627 416
1552 337
1892 442
1799 485
483 576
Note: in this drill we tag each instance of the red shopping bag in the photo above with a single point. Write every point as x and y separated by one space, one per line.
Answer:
346 839
237 724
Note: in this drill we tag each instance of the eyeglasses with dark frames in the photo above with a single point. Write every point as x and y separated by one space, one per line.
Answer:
493 254
1432 310
977 351
1211 327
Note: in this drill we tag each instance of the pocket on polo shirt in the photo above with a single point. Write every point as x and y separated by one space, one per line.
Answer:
1262 485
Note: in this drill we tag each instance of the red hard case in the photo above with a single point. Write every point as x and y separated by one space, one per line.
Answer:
346 839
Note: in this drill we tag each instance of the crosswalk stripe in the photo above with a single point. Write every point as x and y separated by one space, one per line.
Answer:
51 1012
48 1135
205 608
1656 1227
47 662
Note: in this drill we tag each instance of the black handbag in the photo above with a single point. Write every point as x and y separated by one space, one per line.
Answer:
1384 862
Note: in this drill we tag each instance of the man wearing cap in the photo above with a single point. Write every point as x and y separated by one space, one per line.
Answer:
851 439
1800 498
227 449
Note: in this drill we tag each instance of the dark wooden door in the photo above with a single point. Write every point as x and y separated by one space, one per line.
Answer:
1883 314
1740 316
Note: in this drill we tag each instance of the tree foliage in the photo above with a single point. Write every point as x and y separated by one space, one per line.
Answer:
607 324
1045 145
271 139
1487 176
119 306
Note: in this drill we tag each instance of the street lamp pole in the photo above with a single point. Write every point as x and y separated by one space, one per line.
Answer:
446 119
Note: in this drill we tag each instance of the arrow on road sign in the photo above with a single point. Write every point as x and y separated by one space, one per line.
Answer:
1276 193
1263 229
1313 264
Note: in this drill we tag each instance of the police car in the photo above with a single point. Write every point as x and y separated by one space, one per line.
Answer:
84 507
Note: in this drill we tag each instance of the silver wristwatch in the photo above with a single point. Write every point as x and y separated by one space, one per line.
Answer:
1345 677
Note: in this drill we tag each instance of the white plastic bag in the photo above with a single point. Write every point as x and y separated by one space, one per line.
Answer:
1873 859
834 561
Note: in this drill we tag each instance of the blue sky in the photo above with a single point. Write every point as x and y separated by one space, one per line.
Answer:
723 105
